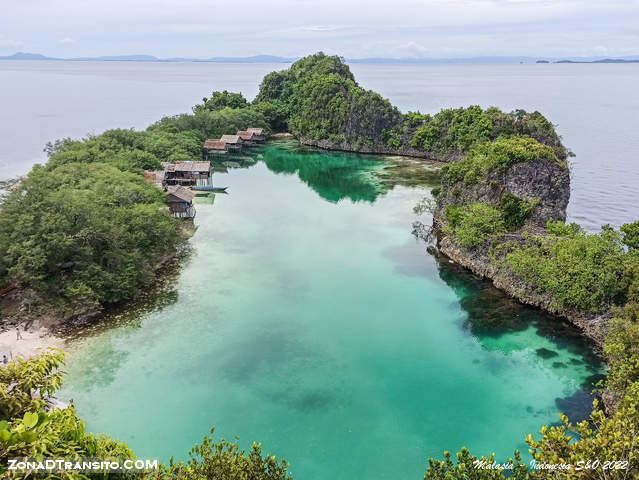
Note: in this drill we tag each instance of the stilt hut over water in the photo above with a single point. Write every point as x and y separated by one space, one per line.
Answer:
187 173
214 147
233 142
248 138
258 134
180 201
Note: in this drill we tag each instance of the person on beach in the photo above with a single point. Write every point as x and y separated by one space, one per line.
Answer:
5 360
18 334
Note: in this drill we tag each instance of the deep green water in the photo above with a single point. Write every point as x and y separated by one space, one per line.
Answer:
309 318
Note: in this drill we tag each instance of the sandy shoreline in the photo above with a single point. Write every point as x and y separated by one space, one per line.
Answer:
33 341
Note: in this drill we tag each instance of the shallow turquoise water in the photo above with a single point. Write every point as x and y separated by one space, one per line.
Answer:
310 319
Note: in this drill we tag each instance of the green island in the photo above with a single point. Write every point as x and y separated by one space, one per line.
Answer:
87 232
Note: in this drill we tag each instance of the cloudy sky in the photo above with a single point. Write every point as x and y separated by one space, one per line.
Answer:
373 28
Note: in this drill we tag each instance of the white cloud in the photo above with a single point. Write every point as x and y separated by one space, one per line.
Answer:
66 40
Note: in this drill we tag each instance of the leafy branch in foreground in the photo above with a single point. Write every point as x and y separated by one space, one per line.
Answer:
225 460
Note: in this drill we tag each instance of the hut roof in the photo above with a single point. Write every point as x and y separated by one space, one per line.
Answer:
245 135
231 139
187 167
181 193
256 131
214 145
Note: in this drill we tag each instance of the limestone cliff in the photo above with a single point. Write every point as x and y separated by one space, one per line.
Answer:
543 181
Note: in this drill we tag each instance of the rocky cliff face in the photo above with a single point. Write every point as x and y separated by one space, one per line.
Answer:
543 180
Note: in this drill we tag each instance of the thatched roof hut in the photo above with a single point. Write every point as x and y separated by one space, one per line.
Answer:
180 201
215 146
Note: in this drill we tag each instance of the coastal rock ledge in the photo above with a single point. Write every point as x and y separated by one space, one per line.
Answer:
377 148
542 181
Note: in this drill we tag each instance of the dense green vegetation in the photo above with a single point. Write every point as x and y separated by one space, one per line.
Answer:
581 271
322 100
86 233
498 155
515 211
462 128
473 224
225 461
220 100
577 270
622 347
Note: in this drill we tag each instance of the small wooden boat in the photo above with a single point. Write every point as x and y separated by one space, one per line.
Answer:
208 188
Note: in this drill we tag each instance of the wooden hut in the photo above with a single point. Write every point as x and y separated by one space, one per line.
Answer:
180 201
258 134
186 173
248 138
233 142
214 147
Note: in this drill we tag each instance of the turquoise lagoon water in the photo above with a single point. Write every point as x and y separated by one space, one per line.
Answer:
308 317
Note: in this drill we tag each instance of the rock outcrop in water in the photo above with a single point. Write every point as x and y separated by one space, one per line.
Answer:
542 183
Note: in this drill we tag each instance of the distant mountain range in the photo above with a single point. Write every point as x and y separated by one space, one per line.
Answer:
151 58
277 59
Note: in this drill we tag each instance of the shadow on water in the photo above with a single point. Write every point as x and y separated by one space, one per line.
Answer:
336 176
491 314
